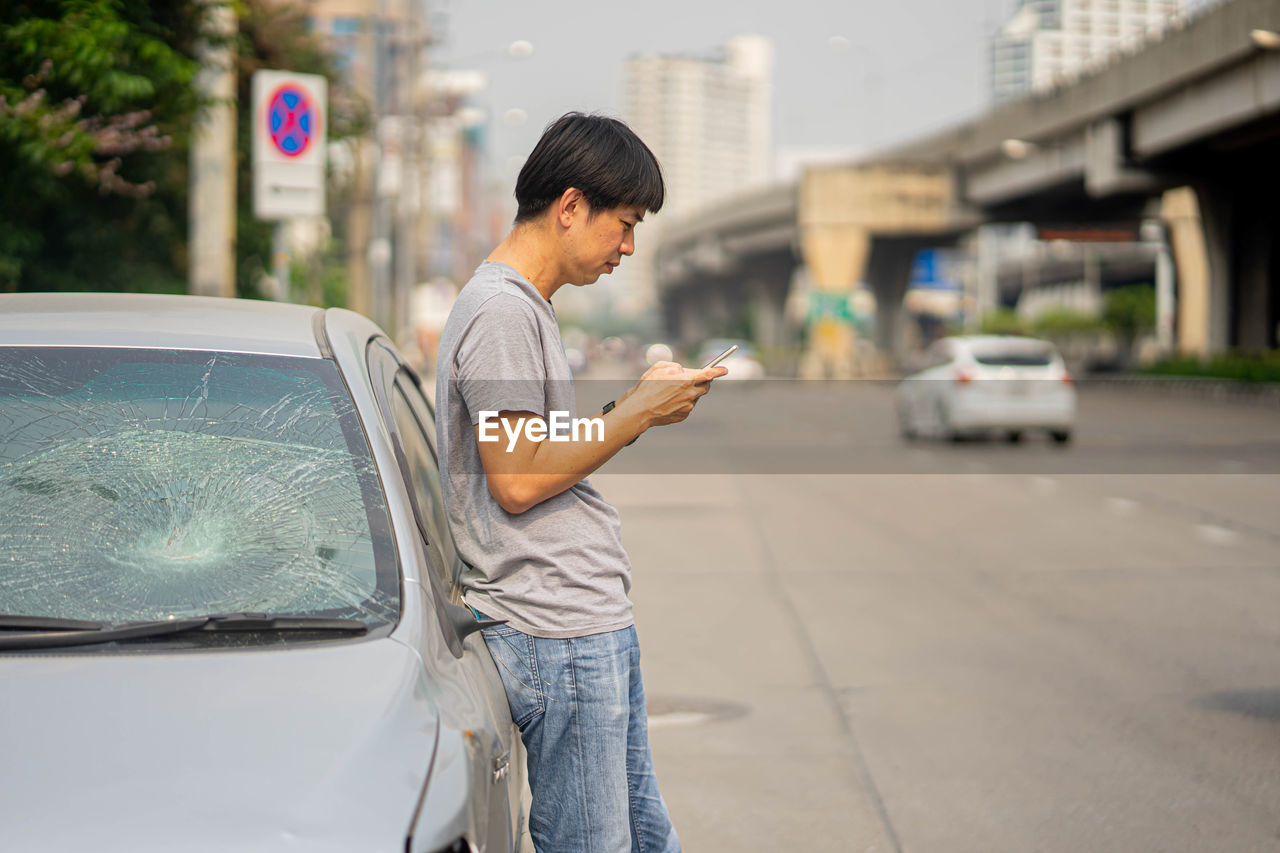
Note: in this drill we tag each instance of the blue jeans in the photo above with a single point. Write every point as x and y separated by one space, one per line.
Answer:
579 705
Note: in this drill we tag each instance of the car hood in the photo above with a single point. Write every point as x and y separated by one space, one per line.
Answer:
323 747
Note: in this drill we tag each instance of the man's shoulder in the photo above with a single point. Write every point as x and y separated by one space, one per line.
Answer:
492 291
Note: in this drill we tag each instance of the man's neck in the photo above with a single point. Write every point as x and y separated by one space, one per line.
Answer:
528 251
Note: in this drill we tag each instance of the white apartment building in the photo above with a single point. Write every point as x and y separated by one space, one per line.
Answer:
708 119
1046 43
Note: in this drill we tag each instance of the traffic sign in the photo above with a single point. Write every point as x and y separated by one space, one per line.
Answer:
290 116
292 119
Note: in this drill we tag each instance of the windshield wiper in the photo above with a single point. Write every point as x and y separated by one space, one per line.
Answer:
91 633
14 622
269 622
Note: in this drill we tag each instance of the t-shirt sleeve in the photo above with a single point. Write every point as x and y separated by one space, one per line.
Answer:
499 363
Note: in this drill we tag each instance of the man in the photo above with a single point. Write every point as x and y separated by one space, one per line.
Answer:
543 547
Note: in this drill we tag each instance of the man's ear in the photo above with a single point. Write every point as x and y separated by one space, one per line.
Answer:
572 204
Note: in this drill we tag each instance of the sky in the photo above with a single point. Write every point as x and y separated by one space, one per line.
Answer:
909 67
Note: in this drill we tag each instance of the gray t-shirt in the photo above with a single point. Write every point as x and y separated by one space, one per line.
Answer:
557 569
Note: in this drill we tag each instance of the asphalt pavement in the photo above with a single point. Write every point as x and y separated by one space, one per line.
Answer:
856 643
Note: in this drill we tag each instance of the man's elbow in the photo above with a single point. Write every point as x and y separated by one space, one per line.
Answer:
513 496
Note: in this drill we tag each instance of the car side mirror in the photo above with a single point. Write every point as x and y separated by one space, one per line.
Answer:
464 622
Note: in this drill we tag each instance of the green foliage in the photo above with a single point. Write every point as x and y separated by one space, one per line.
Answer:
1003 322
96 105
95 99
1130 311
1239 367
1066 322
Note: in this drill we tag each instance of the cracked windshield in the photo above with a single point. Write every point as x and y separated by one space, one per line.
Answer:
144 484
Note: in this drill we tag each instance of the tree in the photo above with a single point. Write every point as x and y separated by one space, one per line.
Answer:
96 105
1129 312
1003 321
95 99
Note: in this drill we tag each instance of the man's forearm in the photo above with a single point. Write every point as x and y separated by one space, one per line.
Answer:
532 469
530 463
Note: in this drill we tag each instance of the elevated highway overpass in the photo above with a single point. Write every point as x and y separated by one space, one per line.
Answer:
1199 108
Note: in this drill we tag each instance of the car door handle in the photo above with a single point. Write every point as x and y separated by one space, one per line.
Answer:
501 767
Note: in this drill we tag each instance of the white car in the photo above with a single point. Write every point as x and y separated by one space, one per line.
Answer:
977 384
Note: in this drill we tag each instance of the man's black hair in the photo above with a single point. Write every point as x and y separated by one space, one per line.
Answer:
598 155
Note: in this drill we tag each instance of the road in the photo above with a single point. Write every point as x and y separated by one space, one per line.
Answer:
975 647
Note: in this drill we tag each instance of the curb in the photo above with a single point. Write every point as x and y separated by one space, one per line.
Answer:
1265 394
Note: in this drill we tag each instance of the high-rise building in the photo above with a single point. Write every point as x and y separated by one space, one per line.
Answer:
708 119
1046 43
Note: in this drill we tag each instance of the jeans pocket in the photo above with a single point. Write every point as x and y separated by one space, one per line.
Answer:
513 653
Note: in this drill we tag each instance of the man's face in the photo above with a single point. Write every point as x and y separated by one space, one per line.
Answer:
597 243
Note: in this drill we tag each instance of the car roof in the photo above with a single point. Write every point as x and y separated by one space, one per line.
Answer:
1010 340
157 321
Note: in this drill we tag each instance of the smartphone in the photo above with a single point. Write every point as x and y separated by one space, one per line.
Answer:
721 357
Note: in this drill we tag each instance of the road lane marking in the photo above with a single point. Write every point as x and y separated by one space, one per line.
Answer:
1044 485
1216 535
1122 506
678 718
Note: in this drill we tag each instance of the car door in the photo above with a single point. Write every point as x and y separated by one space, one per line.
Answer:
938 385
925 387
411 421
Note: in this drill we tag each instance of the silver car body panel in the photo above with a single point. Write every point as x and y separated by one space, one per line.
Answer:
341 745
317 748
153 321
478 688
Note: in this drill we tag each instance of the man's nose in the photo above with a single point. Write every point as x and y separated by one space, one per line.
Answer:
628 245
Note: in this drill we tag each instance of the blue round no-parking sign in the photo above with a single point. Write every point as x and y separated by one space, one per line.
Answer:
292 119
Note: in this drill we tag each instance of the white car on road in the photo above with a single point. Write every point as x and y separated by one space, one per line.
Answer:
977 384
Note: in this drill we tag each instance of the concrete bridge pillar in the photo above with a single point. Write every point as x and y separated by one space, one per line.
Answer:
1181 215
722 304
1240 230
683 316
888 274
768 283
707 309
1259 284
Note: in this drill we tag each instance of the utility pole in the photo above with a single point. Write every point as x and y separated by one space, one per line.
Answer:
212 205
379 252
409 198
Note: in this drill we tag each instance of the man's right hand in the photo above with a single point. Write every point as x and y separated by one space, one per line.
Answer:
523 474
667 392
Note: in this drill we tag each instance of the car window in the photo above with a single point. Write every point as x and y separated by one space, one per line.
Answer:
424 481
1013 355
426 416
143 484
421 407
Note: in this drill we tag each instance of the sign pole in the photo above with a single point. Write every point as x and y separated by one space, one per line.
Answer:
280 260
